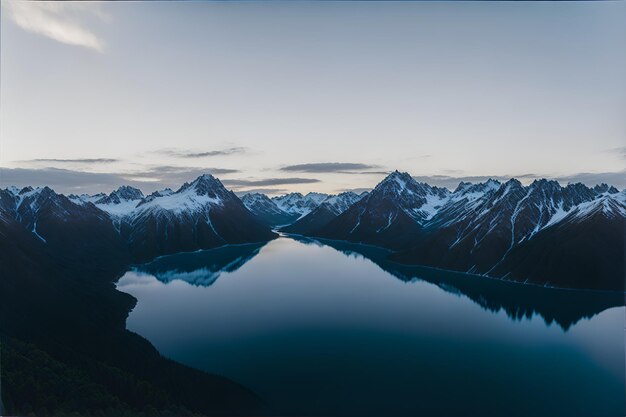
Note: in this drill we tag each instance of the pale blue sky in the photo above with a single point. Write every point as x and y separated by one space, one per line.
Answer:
159 92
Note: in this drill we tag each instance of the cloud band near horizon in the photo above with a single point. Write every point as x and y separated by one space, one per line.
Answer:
159 177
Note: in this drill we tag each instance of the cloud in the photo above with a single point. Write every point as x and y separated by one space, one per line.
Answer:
61 21
617 179
620 151
356 190
173 170
64 180
268 182
172 176
177 153
267 191
73 181
76 161
323 167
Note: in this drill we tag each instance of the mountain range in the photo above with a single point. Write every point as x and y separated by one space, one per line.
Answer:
202 214
543 233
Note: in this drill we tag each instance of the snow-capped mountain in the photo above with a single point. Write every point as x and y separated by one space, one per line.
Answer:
122 194
391 215
330 208
66 229
475 234
583 249
161 193
298 204
474 229
86 198
266 210
479 236
120 202
202 214
545 233
339 203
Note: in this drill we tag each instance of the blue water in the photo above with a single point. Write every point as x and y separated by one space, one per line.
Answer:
334 329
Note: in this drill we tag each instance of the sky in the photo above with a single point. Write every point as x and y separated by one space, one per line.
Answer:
310 96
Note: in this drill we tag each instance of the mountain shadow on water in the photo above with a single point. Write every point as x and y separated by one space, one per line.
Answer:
201 268
561 306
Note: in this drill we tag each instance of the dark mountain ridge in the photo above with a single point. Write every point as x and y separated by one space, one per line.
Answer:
482 228
65 346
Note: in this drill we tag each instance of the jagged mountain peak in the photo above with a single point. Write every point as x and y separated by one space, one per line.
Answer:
296 203
340 202
513 183
252 199
161 193
545 183
13 190
266 209
255 196
25 190
472 191
313 194
396 179
122 194
38 196
129 193
463 185
578 187
605 188
288 196
203 185
607 205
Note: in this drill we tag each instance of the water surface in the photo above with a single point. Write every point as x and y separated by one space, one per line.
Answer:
331 328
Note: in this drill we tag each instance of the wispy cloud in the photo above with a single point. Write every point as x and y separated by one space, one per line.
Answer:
169 170
173 176
620 151
617 179
324 167
75 161
356 190
267 191
178 153
268 182
61 21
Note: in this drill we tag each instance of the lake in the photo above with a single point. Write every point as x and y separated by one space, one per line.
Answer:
334 329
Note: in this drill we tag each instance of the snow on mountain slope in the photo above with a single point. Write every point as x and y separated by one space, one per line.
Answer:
330 208
123 193
607 205
296 203
485 228
391 215
584 249
256 200
86 198
266 210
120 202
339 203
200 215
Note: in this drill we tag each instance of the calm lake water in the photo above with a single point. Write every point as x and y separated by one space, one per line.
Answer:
334 329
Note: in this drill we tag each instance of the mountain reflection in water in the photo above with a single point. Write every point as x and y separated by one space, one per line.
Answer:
519 301
201 268
335 329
